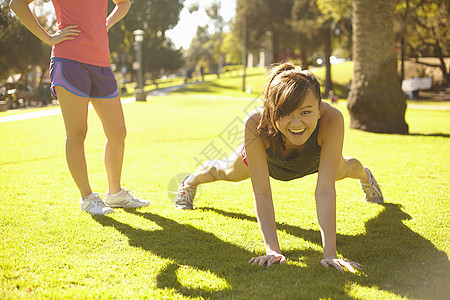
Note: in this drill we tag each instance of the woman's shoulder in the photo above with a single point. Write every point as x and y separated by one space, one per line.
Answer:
253 118
251 124
329 114
331 120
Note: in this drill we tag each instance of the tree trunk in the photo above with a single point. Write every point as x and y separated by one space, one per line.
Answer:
376 102
275 47
327 42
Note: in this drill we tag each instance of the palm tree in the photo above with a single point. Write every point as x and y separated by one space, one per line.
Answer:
376 101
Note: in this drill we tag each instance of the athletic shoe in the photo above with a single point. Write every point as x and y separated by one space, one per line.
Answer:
372 190
185 196
94 205
125 199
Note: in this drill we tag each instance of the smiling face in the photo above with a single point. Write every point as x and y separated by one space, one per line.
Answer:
290 109
298 125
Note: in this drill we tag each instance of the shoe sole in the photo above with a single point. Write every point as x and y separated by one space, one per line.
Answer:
126 206
99 214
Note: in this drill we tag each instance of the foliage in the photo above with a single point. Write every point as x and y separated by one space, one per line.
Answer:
340 12
425 27
50 249
421 26
213 12
314 28
19 48
201 50
155 17
261 18
209 48
336 9
231 49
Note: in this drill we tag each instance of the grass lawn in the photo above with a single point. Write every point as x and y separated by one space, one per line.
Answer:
49 249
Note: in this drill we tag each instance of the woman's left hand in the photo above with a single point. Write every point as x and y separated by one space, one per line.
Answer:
340 264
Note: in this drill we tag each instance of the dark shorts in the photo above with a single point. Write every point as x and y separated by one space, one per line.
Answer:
83 79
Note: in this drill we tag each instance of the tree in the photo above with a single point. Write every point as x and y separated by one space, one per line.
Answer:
428 25
263 17
19 48
376 102
340 12
314 29
155 17
201 50
231 49
213 12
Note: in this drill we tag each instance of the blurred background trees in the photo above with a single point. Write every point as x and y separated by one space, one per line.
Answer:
307 31
310 32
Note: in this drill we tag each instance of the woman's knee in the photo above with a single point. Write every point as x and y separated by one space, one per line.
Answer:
344 168
348 168
117 135
218 169
76 135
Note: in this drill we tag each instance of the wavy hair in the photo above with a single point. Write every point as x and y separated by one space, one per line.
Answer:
284 91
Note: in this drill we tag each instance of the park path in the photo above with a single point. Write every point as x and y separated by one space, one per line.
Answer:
155 93
424 106
57 111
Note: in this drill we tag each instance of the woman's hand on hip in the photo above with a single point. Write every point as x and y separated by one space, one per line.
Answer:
64 34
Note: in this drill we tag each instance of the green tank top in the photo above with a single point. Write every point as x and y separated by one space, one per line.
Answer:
306 163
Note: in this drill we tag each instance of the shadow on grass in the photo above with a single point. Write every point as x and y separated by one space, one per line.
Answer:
445 135
396 260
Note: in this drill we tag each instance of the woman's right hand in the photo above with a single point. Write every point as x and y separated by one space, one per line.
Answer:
64 34
270 258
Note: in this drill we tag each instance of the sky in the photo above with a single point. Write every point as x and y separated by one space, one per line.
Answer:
186 28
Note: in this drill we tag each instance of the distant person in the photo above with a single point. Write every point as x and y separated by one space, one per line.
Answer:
332 97
202 73
189 75
80 71
295 134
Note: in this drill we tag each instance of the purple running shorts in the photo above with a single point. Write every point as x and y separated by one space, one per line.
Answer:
82 79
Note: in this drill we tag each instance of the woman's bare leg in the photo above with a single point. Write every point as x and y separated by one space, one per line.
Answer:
350 167
75 110
111 115
230 169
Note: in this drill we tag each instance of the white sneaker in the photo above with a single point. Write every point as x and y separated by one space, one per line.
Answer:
125 200
185 196
372 190
94 205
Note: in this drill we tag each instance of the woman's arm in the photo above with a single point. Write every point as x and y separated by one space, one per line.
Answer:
120 11
23 12
331 138
259 174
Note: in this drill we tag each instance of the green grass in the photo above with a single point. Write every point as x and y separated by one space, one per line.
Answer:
49 249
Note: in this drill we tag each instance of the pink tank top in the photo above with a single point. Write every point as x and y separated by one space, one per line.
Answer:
91 46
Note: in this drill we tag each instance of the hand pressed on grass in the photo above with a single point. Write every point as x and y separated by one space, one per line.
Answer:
270 258
340 264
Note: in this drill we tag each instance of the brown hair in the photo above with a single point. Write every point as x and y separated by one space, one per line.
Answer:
285 89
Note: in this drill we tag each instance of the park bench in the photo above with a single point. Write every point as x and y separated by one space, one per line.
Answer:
411 87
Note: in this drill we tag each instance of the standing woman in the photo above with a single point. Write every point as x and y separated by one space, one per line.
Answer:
80 71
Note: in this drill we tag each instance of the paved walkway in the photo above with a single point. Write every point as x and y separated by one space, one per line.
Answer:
57 111
424 106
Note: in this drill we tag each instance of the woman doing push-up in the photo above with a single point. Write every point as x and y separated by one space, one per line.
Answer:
293 135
